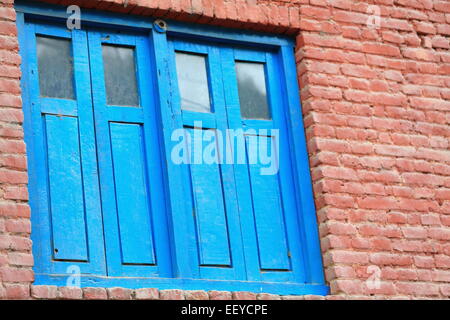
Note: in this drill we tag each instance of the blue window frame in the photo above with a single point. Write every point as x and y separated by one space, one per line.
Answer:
107 197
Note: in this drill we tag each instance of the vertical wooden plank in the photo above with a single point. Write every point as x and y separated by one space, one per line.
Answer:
37 168
268 212
209 211
88 151
135 228
153 145
109 208
185 254
227 170
66 190
25 32
244 196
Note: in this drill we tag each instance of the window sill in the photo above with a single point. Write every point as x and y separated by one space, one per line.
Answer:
186 284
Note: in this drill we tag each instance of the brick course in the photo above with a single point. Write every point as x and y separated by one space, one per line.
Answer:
376 107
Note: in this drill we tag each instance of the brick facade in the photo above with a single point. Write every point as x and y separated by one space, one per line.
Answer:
376 106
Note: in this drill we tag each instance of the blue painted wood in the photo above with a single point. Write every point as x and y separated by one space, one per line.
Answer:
49 203
53 30
223 189
192 119
237 143
182 236
88 153
127 114
135 258
246 54
135 227
60 106
40 232
228 183
257 124
255 189
268 209
209 207
66 189
154 155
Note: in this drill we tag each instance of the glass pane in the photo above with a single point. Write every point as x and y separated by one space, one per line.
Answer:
120 75
193 82
55 67
252 90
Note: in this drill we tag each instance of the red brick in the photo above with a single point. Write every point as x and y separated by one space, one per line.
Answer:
346 286
390 259
349 257
18 226
14 210
313 297
95 294
119 293
219 295
291 297
17 291
243 295
174 294
20 259
44 292
417 288
12 274
266 296
196 295
381 49
424 27
71 293
146 294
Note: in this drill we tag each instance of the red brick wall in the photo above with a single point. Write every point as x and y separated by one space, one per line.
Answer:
376 105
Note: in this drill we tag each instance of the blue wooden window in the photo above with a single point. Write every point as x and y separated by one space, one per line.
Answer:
105 193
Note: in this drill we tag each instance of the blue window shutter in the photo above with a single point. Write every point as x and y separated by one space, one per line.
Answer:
67 200
269 213
134 212
211 212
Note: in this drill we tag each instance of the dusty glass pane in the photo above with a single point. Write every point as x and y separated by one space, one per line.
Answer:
55 67
193 82
252 90
120 75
